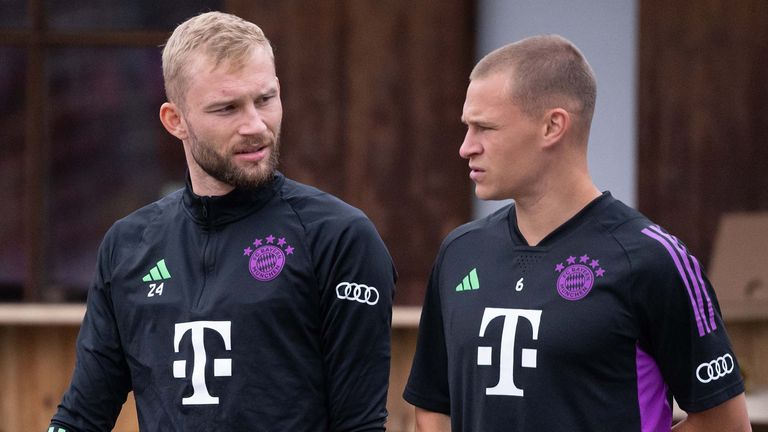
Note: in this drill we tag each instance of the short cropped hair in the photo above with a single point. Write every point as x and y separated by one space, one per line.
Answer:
546 71
219 36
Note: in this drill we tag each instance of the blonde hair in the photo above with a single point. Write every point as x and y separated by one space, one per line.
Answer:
544 71
219 36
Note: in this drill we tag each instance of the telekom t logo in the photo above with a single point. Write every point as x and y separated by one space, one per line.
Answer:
221 367
506 385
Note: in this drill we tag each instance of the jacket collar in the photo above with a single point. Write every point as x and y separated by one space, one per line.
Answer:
213 211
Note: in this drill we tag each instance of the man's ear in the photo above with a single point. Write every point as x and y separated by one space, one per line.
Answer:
558 122
172 119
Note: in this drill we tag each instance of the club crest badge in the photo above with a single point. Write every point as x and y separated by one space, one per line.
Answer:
577 278
267 257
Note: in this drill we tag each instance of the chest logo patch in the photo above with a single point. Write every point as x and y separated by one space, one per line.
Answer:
577 278
267 257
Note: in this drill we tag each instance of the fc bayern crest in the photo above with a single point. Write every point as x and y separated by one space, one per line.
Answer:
267 260
577 279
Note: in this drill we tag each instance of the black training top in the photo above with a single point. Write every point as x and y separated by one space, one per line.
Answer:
263 310
591 330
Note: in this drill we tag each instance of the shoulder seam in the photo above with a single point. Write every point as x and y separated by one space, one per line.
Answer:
287 202
611 231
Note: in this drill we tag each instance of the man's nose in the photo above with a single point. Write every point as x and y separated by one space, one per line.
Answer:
470 146
253 122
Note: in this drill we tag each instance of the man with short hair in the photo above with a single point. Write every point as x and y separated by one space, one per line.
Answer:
245 301
567 310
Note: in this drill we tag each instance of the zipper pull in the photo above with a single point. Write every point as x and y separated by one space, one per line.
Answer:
205 209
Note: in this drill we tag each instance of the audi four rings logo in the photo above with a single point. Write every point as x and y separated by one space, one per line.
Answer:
357 292
715 369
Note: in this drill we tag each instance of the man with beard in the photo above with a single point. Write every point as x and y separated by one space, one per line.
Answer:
245 301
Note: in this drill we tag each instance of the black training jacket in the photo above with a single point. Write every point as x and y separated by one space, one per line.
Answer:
261 310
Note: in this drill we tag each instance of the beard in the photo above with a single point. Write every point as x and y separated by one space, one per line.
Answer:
222 168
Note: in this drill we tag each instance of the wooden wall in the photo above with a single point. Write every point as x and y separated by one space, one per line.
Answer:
372 94
703 115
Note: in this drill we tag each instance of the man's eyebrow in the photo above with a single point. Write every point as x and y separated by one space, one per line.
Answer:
470 119
270 91
224 101
218 103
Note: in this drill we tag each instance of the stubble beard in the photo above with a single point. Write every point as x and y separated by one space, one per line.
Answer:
222 168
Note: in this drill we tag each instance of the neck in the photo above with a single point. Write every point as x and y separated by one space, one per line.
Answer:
539 214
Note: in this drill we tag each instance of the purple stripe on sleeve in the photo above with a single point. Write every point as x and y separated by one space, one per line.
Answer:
655 412
711 309
680 269
699 287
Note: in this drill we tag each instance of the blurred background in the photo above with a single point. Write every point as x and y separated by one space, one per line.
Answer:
372 93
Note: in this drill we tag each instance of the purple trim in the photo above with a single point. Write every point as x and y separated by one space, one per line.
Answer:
698 281
710 308
698 314
655 412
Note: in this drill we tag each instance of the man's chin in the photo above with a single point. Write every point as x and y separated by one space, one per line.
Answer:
253 179
483 194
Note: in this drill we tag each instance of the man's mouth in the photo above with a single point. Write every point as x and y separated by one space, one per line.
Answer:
252 154
476 173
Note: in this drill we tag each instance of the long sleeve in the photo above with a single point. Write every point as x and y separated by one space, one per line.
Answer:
101 379
357 279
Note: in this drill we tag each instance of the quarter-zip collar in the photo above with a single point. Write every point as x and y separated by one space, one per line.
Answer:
213 211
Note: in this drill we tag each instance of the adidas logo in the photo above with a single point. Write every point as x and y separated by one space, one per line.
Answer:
157 273
470 282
